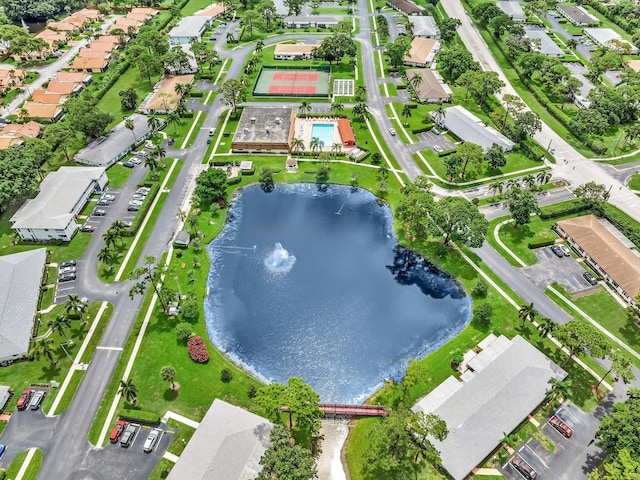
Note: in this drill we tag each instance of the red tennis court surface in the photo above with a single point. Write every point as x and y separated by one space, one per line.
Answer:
295 77
292 89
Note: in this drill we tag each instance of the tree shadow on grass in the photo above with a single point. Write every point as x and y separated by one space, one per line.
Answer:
170 395
50 371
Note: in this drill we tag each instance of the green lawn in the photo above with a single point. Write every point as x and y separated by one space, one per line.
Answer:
70 392
182 437
14 466
118 175
517 238
634 182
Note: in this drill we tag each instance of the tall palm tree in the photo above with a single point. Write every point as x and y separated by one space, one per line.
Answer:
546 326
406 113
180 89
543 177
496 187
337 107
260 44
513 183
529 181
129 391
297 145
336 148
416 80
60 325
110 238
173 119
360 111
43 347
153 122
305 107
360 91
559 389
128 123
118 226
74 305
106 256
314 144
151 161
527 312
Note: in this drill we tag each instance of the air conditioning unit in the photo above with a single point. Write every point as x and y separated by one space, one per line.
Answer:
246 130
278 121
252 119
266 131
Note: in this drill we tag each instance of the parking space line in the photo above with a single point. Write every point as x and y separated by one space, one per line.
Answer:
564 410
534 453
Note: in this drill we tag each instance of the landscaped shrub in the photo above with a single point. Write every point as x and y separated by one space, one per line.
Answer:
140 416
426 128
144 208
252 391
480 289
196 93
546 243
234 180
226 375
183 331
562 209
198 350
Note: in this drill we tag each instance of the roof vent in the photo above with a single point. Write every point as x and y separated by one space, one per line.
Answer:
252 119
246 130
266 131
278 120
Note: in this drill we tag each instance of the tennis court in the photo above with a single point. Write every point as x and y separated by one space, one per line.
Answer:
292 83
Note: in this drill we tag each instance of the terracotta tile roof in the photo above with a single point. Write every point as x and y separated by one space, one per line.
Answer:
29 130
91 13
93 53
52 35
41 110
75 77
620 263
42 96
7 140
58 86
145 10
87 63
14 73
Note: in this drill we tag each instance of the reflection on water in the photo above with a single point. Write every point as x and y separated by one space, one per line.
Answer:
350 309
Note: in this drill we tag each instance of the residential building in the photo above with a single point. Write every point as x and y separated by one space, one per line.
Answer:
425 26
41 95
406 6
42 111
543 43
20 281
312 21
164 98
227 445
466 126
281 9
513 10
75 77
126 24
577 15
212 11
90 64
497 389
422 52
294 51
11 78
603 249
107 150
431 88
67 88
24 130
346 132
189 30
51 215
264 130
5 395
609 38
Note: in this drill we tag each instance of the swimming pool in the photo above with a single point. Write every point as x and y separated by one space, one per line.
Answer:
324 131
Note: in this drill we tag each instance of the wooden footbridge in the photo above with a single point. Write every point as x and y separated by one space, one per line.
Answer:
335 410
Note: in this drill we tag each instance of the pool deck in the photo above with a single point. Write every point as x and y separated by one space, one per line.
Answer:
304 126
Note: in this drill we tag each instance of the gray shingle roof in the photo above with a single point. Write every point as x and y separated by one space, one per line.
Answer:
512 9
227 445
189 26
424 26
60 192
509 379
20 278
470 128
547 45
105 151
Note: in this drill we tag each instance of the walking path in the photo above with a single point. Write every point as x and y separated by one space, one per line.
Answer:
179 418
25 464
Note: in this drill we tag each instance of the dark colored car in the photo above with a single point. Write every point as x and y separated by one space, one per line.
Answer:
524 468
25 398
590 278
557 423
116 433
67 263
127 436
128 164
66 277
555 249
99 212
133 208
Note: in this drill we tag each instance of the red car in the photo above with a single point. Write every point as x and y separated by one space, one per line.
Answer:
25 398
117 431
524 468
557 423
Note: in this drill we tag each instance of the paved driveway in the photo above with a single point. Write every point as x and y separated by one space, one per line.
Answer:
431 140
534 454
564 270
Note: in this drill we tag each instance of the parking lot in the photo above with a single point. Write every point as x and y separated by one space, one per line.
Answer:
564 270
432 140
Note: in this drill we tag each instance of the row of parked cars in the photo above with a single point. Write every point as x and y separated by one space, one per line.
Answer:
138 197
138 158
563 251
31 399
124 433
104 201
67 271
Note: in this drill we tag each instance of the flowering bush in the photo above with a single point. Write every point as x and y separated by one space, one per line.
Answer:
198 350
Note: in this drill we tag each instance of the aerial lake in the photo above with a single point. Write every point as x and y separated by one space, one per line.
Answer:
313 284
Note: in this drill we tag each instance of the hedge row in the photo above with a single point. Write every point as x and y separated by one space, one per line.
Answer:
541 244
112 77
426 128
234 180
140 416
196 93
144 208
628 227
561 209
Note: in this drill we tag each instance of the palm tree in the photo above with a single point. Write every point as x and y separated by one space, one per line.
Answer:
546 326
337 107
529 181
151 161
439 115
43 347
260 45
173 119
416 81
129 391
406 113
336 148
118 226
543 177
527 312
496 187
513 183
559 389
110 238
572 43
159 152
168 374
106 256
74 305
60 324
360 91
297 145
180 89
360 111
305 107
153 122
128 123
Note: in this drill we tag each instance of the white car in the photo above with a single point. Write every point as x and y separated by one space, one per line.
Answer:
151 440
438 148
392 131
68 269
137 203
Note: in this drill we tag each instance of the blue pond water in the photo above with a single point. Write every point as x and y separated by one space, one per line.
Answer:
324 131
298 289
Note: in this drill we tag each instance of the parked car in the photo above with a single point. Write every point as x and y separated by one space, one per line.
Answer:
143 190
136 160
565 250
25 398
438 148
67 277
69 269
99 212
3 449
67 263
87 228
555 249
435 130
557 423
127 224
152 439
523 468
128 435
133 208
392 131
138 197
128 164
211 132
103 203
36 399
108 196
135 202
590 278
116 433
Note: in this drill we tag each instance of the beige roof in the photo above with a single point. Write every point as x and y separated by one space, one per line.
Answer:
167 86
41 110
84 63
634 65
58 86
430 88
211 11
52 35
75 77
93 53
29 129
420 49
145 10
12 73
141 17
293 48
618 261
106 39
42 96
89 13
7 141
